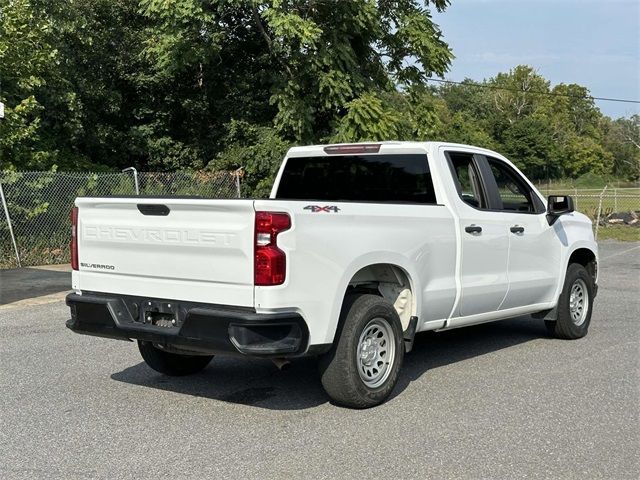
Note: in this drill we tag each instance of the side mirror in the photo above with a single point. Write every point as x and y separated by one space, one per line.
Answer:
558 205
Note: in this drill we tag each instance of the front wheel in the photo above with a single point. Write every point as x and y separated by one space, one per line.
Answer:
574 305
363 366
172 364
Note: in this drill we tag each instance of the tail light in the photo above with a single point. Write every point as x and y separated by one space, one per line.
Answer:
74 238
270 262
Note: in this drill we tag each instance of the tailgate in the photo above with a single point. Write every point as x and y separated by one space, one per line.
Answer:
181 249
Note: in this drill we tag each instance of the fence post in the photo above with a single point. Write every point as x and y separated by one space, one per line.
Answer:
6 213
615 199
135 177
599 210
238 173
575 196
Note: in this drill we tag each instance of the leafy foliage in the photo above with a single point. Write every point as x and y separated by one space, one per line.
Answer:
210 84
26 55
548 132
257 150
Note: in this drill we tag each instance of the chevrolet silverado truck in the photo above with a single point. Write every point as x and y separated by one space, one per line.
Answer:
359 247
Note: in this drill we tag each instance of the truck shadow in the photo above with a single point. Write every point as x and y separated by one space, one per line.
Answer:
259 383
432 350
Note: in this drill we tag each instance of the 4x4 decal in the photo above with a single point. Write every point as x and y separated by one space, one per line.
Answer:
326 208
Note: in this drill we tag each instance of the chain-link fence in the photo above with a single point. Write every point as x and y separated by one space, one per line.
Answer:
608 206
38 204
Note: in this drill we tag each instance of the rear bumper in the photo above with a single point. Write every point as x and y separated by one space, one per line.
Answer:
195 327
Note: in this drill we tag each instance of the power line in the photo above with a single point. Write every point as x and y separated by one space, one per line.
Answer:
551 94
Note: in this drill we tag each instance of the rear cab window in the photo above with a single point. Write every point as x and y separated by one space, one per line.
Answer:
381 178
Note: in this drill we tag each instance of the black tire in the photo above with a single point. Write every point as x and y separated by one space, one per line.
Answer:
173 364
565 327
340 367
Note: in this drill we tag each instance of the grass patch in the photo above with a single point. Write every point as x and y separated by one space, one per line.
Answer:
588 181
623 233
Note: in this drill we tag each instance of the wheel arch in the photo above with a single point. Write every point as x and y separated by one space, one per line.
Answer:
584 253
382 275
587 258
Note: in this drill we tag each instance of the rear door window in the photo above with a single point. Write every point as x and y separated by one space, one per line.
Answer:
367 178
467 179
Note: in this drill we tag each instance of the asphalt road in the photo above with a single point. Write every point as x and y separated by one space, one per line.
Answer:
19 284
498 401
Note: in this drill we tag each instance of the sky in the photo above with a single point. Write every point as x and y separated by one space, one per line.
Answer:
594 43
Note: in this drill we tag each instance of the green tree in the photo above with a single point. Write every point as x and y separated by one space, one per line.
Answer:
92 101
257 150
468 97
463 128
26 54
529 144
368 118
573 108
582 155
192 84
517 94
622 139
299 65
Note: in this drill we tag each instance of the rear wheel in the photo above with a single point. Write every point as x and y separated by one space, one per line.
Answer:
364 363
574 305
173 364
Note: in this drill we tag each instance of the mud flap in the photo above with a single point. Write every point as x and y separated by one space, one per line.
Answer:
550 315
409 334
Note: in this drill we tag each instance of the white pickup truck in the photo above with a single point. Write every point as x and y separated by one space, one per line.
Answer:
359 247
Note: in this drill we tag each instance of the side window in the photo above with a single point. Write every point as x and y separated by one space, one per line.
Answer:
514 192
466 178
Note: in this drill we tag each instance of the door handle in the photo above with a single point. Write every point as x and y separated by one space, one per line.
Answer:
517 229
473 228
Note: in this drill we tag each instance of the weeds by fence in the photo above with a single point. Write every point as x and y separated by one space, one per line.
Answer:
38 205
